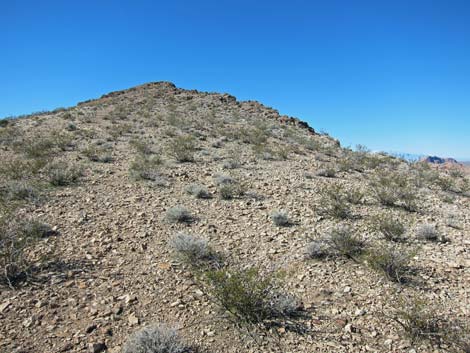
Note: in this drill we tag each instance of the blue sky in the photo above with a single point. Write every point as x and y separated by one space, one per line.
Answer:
392 75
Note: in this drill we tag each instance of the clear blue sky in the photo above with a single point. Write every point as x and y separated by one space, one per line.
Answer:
393 75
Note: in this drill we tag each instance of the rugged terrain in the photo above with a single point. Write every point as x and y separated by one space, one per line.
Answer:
106 175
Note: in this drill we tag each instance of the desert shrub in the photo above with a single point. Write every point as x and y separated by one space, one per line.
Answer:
280 218
446 183
145 168
228 187
61 173
354 196
156 338
43 145
141 147
317 249
18 191
18 168
198 191
390 262
326 172
98 154
344 242
230 191
15 238
182 148
230 164
394 189
428 232
71 127
453 220
419 321
250 298
224 180
190 249
391 228
178 214
333 202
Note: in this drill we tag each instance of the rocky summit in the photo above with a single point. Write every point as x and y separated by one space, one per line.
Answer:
158 219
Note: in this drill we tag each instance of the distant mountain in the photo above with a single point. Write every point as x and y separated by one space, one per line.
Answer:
439 160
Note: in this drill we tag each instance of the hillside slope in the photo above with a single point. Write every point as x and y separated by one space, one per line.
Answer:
93 196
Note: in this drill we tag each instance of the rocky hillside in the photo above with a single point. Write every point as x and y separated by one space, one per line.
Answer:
192 222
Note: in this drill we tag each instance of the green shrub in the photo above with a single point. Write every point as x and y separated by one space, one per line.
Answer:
343 242
60 173
141 147
145 168
16 237
182 148
419 321
391 228
394 189
248 297
333 202
392 263
98 154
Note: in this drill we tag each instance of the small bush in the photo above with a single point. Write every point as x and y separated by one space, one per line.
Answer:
141 147
190 249
333 202
394 189
156 338
428 232
354 196
198 191
391 228
228 187
419 321
15 238
62 173
178 214
98 154
145 168
317 249
344 242
392 263
280 218
250 298
327 172
18 191
182 148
